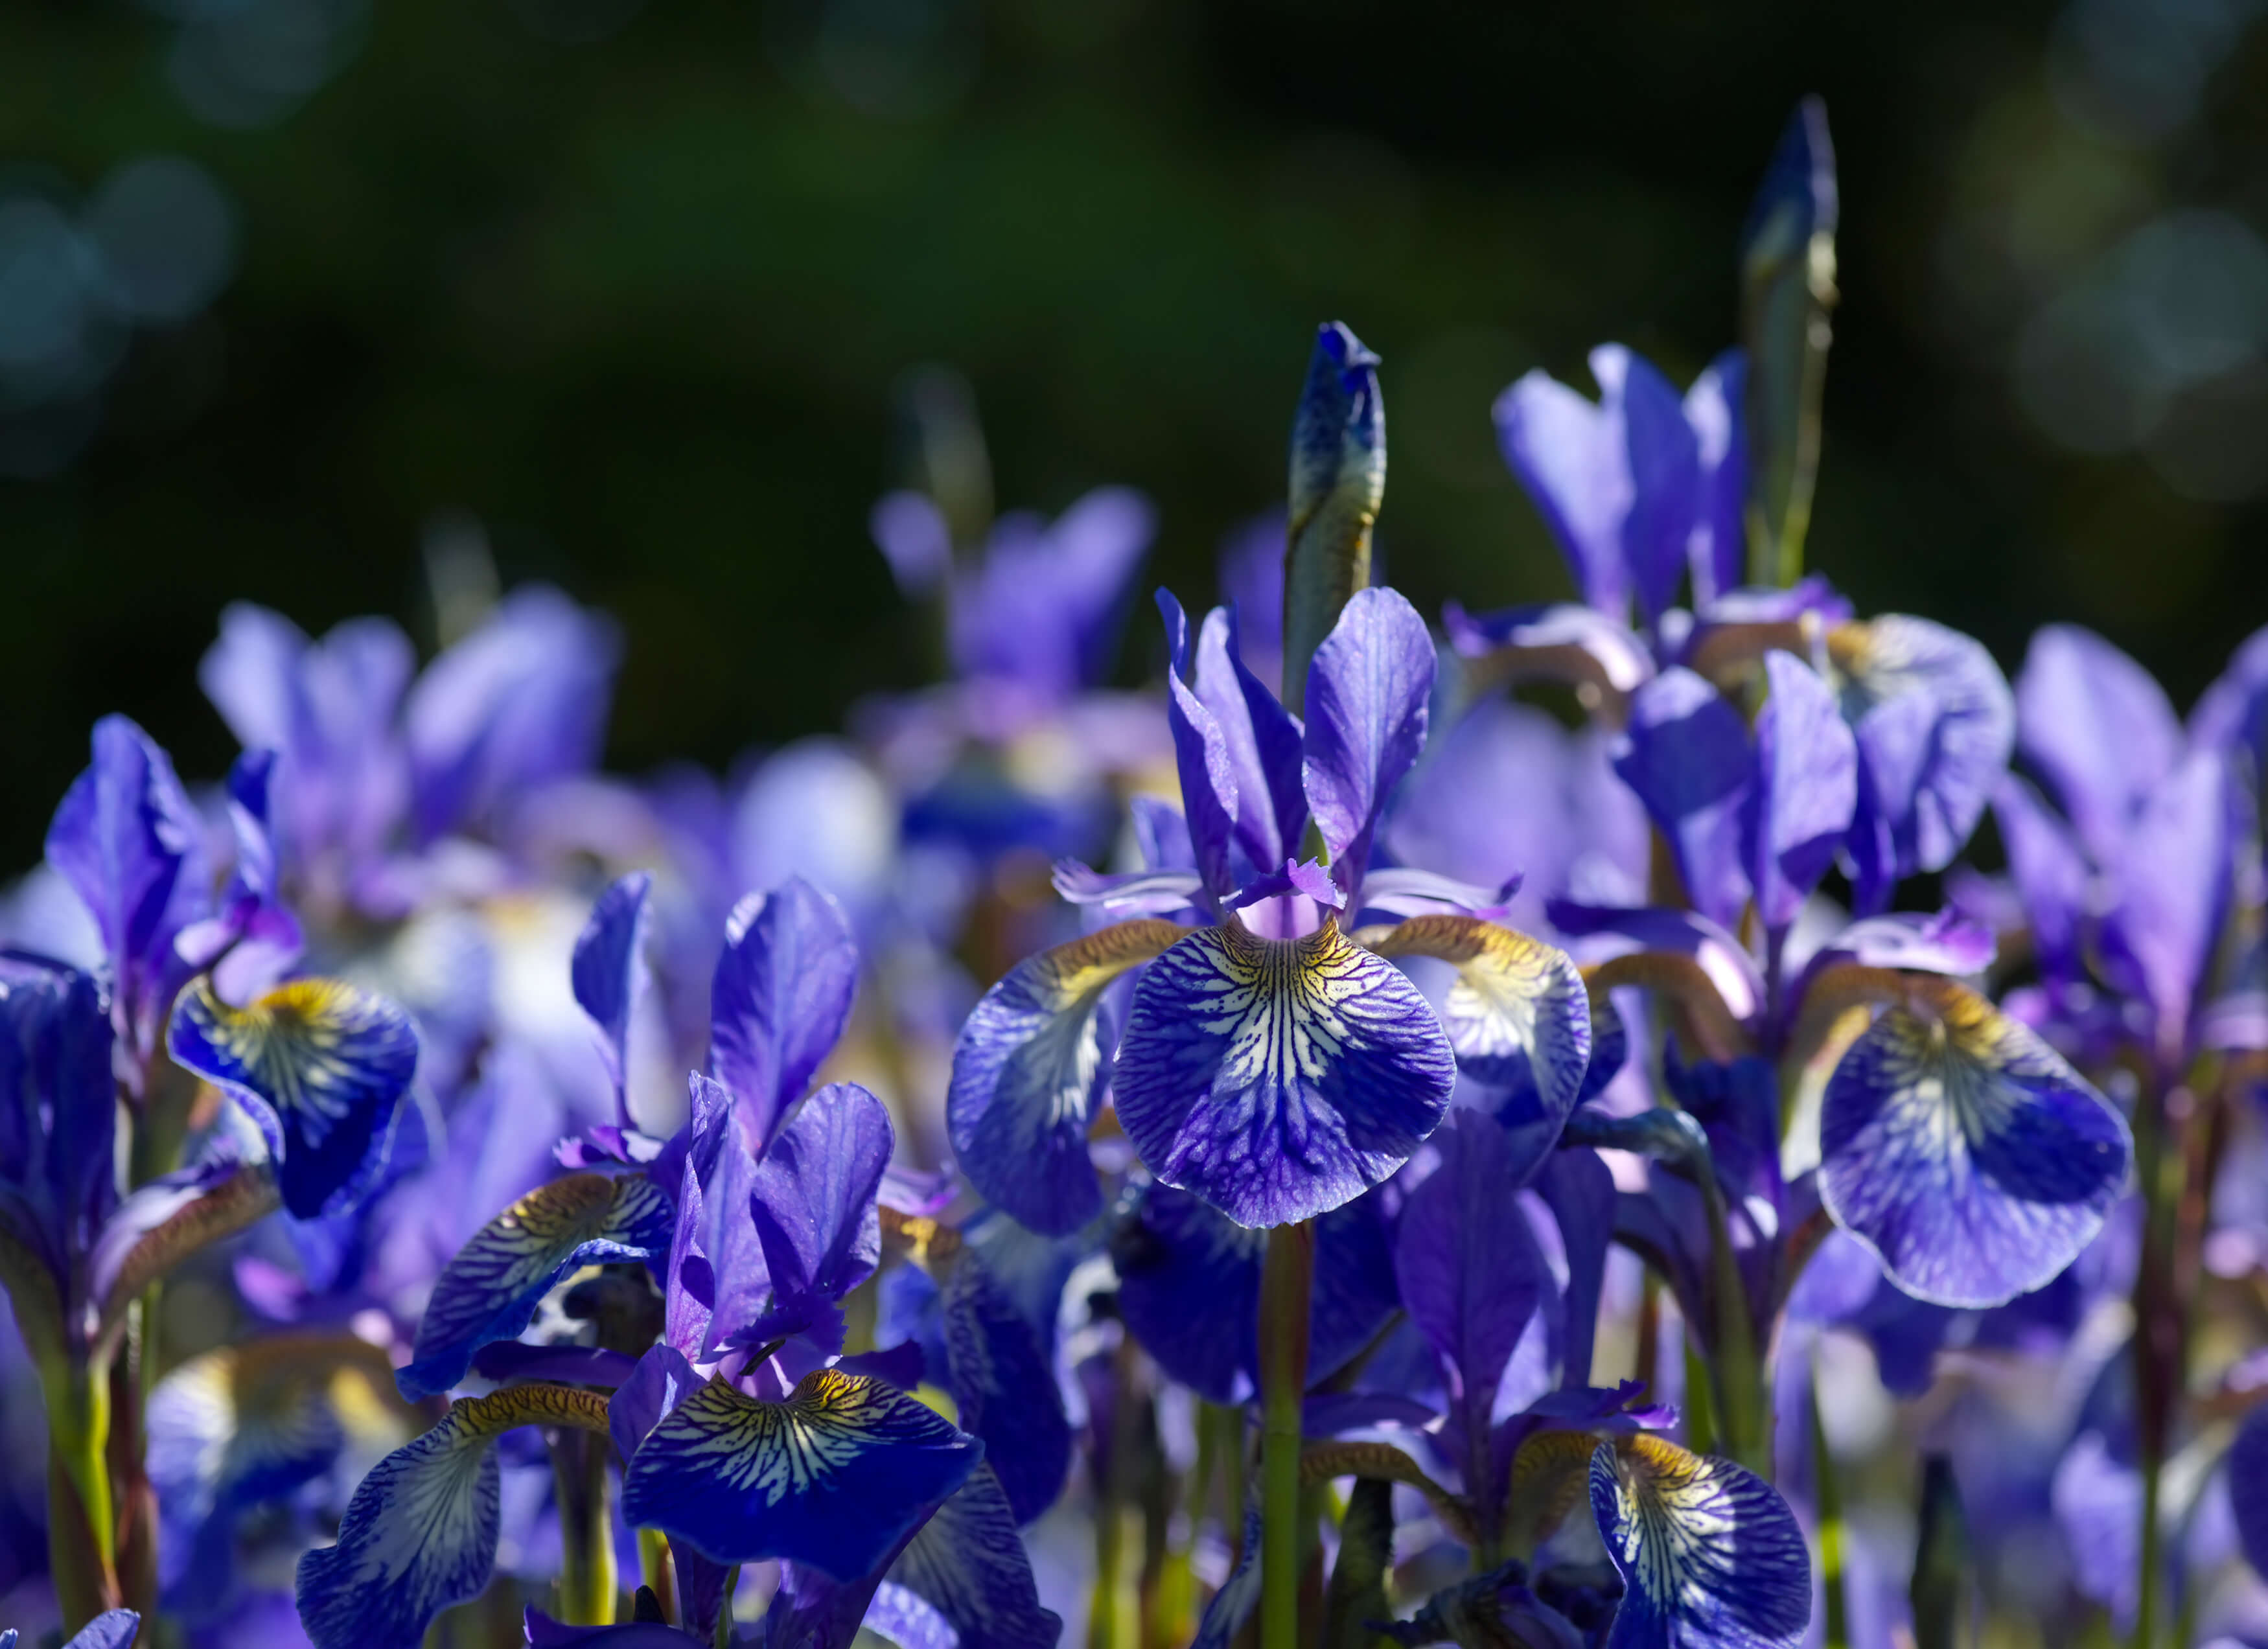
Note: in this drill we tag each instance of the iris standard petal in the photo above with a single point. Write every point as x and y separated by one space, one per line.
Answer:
2173 874
1964 1152
1567 453
58 1129
1714 413
491 1289
779 998
1686 754
1202 760
834 1476
1663 462
609 974
964 1581
2097 726
1004 1388
1518 1016
1368 688
320 1065
1278 1078
420 1531
1806 785
1031 1064
2051 877
1710 1556
813 1200
1263 740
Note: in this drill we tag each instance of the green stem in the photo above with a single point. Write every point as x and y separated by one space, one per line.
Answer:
587 1580
1828 1500
657 1574
1743 1405
1286 1280
2157 1171
81 1526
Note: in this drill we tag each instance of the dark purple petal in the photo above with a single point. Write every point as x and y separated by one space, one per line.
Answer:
1686 755
1201 753
1966 1154
1263 743
688 1283
964 1581
2097 728
1189 1288
1004 1387
814 1198
1030 1066
561 1365
2173 876
1806 787
58 1118
735 1269
1367 693
1278 1078
1710 1556
1470 1273
780 998
609 974
661 1380
1579 1191
520 702
2247 1487
131 847
1718 548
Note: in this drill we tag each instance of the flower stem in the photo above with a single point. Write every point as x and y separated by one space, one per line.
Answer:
82 1532
1286 1280
587 1581
657 1574
1828 1501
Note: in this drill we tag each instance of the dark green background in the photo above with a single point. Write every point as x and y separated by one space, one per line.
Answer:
638 304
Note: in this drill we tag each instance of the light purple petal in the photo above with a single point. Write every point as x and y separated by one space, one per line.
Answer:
1368 692
1130 894
609 974
1718 551
1404 892
1567 452
911 531
1601 646
2096 727
1263 744
1664 465
1687 756
2173 875
780 998
1201 753
2051 874
1946 942
814 1196
1722 956
1807 784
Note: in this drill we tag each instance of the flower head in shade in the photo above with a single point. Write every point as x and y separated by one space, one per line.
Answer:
1271 1060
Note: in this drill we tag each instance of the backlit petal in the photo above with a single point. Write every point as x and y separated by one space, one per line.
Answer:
779 998
1710 1557
1031 1064
1807 786
1965 1153
1278 1078
1368 689
834 1476
609 974
493 1286
320 1066
1686 754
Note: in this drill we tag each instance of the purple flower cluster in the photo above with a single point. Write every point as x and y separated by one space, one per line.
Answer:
1534 1127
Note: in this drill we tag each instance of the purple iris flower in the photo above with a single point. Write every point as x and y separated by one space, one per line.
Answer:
1271 1062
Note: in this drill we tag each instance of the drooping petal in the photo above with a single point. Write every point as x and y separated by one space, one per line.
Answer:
1557 641
1470 1273
2173 875
1710 1557
1368 692
1965 1153
1935 723
320 1065
812 1198
1263 739
1125 896
1004 1388
1278 1078
1337 483
1686 755
834 1476
1807 784
1030 1066
490 1290
58 1129
609 976
964 1581
420 1531
1209 797
127 840
1518 1016
1189 1286
779 998
2097 727
113 1628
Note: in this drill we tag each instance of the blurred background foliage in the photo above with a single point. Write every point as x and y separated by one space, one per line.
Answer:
291 289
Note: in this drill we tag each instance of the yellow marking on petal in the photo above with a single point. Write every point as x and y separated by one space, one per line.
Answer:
1550 1477
1070 971
288 1045
773 1450
1671 1512
1320 1462
1685 985
535 1403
